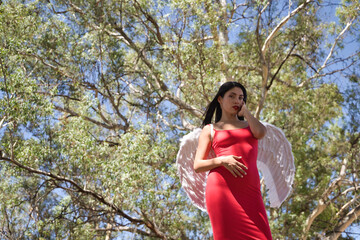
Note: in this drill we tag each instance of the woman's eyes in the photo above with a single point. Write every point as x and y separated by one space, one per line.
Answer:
240 98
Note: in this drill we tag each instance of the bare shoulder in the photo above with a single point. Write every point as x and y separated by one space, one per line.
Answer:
206 131
258 130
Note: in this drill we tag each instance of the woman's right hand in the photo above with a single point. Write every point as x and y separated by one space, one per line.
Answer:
232 164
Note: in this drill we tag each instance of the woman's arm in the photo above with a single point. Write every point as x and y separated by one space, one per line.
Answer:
201 164
256 127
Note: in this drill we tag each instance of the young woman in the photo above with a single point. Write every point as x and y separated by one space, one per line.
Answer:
233 196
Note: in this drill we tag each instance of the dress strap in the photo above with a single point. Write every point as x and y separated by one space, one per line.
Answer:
211 132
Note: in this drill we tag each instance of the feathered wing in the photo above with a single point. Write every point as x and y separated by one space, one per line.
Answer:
193 183
276 163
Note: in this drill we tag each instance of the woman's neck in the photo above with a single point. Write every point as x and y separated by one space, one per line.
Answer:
228 118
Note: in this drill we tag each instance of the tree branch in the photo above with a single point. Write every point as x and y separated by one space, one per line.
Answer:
279 68
263 62
110 127
322 202
127 229
282 23
150 18
335 42
304 60
346 205
345 222
330 53
77 186
152 227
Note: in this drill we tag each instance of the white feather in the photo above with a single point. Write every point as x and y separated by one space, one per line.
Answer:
276 163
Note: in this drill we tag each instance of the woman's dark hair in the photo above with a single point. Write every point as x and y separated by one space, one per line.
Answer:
215 105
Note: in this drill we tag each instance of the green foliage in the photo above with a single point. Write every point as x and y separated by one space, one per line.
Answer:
94 96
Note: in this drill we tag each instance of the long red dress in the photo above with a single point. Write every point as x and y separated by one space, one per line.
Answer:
235 205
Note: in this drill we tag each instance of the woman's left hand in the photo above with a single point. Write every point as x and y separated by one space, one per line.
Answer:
243 110
256 127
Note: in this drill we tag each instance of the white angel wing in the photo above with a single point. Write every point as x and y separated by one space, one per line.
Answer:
276 163
193 183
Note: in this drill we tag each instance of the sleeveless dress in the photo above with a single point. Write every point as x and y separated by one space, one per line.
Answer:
235 205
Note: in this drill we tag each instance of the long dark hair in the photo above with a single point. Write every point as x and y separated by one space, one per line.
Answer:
215 105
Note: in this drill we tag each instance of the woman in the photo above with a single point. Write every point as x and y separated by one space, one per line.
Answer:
233 196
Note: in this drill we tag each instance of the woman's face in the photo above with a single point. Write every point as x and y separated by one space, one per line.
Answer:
232 100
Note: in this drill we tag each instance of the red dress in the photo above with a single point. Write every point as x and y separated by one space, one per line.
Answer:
235 205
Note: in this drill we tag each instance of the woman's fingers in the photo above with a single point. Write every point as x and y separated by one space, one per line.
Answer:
233 170
236 168
238 158
237 173
233 173
239 168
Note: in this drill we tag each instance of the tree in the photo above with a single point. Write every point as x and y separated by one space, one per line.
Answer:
96 94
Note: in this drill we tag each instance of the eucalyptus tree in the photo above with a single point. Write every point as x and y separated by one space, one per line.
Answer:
95 95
